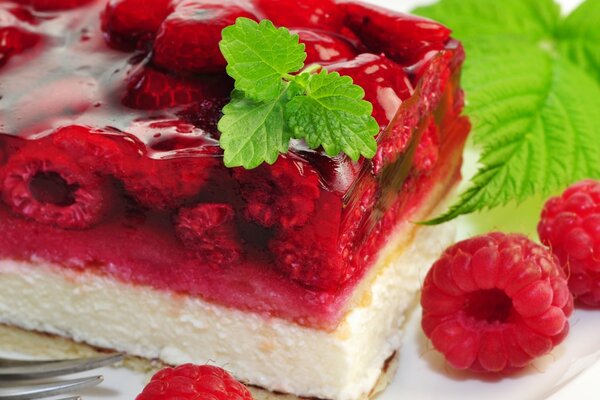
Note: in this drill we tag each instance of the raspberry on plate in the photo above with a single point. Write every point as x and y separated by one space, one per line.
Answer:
194 382
570 226
495 302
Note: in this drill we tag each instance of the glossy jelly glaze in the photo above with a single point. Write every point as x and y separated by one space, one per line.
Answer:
109 155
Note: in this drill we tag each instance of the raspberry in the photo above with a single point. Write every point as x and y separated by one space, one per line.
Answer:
15 40
150 89
209 230
570 226
131 24
495 302
403 38
282 194
94 150
54 5
188 40
194 382
47 185
319 14
386 85
310 254
428 149
323 47
165 184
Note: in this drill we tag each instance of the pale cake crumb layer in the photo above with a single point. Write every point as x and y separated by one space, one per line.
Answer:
268 352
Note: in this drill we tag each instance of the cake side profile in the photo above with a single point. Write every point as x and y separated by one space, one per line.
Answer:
120 227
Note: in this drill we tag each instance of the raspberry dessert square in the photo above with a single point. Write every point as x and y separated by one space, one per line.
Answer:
121 227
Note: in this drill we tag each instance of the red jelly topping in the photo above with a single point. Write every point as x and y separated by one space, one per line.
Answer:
110 161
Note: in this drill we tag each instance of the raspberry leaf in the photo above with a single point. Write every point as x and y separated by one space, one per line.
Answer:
531 20
530 97
332 114
535 119
580 37
259 55
253 132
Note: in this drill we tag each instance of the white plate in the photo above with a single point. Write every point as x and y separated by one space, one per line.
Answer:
571 371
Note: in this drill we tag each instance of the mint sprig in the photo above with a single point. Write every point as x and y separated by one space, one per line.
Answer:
274 101
533 94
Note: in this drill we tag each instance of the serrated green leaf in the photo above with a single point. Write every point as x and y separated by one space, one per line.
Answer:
253 132
531 20
334 115
536 124
259 55
579 37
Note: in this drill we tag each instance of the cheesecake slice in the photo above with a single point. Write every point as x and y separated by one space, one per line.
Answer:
121 228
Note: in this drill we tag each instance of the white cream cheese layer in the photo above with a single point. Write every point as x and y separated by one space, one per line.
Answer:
268 352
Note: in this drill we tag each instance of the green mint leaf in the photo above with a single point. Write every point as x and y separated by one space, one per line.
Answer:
271 104
535 119
253 132
526 19
259 56
531 96
334 115
579 37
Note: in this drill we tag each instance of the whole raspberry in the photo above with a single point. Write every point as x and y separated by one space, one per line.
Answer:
570 226
318 14
323 47
209 230
403 38
54 5
495 302
47 185
194 382
310 254
386 85
282 194
150 89
188 40
131 24
15 40
165 184
95 150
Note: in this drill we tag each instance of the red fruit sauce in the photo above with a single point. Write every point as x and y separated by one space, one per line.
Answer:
110 161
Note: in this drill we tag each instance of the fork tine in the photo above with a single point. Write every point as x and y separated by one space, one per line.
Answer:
24 370
52 389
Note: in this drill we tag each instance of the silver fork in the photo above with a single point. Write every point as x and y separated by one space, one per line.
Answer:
21 379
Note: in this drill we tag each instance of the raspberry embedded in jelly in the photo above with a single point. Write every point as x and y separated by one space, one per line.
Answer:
15 40
209 232
150 89
109 116
386 85
322 47
318 14
130 24
188 40
55 5
404 38
47 185
283 194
